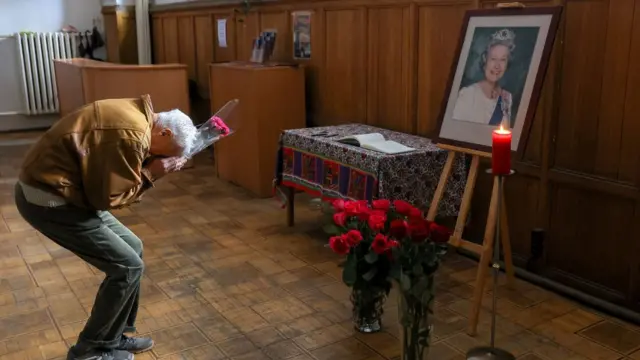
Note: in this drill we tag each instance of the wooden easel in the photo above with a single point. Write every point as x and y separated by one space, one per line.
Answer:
484 250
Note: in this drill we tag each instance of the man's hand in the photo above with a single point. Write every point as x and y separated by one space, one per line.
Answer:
162 166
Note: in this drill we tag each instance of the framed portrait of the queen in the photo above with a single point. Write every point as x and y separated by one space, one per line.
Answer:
497 75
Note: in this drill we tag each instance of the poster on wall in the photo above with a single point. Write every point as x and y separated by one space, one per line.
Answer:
301 34
222 33
497 75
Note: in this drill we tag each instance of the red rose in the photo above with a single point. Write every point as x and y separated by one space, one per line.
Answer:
415 213
379 244
338 204
353 237
376 220
339 245
352 208
364 209
390 245
398 228
402 207
418 230
219 124
364 214
440 234
340 218
378 212
382 204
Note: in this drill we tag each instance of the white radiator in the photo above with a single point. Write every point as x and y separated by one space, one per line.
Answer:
37 51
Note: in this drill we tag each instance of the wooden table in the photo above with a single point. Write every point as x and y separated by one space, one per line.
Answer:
322 167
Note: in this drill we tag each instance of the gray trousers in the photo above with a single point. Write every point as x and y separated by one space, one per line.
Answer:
101 240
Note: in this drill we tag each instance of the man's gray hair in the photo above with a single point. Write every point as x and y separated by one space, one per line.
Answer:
181 125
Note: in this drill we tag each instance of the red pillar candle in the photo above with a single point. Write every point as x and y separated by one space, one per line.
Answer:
501 152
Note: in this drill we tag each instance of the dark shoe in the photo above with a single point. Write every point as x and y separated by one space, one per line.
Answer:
75 354
135 345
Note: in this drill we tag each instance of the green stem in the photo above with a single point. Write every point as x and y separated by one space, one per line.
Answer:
415 328
411 330
407 342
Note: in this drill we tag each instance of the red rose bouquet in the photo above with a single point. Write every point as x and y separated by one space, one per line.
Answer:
356 229
417 258
384 241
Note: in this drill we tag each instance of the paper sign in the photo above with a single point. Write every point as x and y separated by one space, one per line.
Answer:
302 35
222 33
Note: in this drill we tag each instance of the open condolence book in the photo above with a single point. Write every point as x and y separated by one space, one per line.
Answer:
375 142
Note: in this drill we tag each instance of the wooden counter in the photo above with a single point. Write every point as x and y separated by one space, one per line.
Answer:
82 81
271 100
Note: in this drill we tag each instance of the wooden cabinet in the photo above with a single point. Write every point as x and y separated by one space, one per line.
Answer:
271 100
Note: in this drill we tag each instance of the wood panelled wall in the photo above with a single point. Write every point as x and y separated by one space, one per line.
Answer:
120 34
385 63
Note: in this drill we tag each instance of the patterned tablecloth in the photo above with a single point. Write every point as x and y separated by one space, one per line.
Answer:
310 159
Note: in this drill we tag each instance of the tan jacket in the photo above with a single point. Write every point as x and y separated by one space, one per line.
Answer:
93 157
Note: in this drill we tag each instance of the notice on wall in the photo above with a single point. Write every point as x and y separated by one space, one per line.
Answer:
222 33
301 35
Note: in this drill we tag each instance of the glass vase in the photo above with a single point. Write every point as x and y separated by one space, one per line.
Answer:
368 309
416 329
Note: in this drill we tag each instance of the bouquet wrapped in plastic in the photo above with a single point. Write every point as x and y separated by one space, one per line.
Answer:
215 128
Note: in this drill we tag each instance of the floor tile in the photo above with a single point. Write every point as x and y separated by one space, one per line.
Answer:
24 323
177 339
613 336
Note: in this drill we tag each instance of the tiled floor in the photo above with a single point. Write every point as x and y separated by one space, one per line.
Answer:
225 279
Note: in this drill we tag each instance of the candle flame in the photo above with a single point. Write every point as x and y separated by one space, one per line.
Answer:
503 131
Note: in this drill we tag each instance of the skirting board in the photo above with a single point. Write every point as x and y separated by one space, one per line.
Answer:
24 122
561 289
